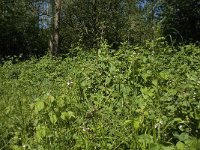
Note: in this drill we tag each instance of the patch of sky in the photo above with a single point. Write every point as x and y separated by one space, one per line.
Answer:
141 4
157 8
45 12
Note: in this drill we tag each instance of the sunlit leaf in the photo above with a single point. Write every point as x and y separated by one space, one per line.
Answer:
180 146
39 105
53 118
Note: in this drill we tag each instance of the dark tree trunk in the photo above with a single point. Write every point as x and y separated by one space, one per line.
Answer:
54 45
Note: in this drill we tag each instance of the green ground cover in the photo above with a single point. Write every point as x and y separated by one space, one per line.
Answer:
139 97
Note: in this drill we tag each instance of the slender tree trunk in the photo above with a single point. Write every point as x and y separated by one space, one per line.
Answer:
54 45
152 19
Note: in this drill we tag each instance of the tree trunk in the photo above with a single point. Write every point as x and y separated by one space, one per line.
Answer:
54 45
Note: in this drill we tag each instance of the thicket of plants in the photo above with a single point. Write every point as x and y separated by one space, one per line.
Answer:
139 97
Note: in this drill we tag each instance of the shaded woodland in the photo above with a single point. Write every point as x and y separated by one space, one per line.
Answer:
28 27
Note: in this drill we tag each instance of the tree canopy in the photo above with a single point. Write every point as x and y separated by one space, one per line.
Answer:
182 19
26 26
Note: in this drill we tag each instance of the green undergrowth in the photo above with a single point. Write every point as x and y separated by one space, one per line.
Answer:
139 98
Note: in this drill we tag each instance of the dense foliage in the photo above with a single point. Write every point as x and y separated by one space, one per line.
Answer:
27 26
95 20
139 97
182 20
20 32
114 84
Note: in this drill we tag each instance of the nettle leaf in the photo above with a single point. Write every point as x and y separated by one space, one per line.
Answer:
112 69
61 102
63 116
167 148
156 146
128 122
108 79
155 82
41 131
145 138
171 108
177 120
84 83
67 115
180 146
146 74
142 103
164 74
136 124
39 105
184 137
16 147
125 89
147 92
53 118
51 98
172 91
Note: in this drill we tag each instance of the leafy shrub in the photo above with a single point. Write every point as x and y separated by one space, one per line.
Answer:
140 97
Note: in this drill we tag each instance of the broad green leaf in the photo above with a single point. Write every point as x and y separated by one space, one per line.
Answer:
84 83
51 98
164 75
53 118
183 137
146 139
136 124
39 105
128 122
168 148
146 74
64 115
172 91
155 146
61 102
125 89
177 120
147 92
180 146
71 114
16 147
112 69
107 80
155 82
41 131
67 115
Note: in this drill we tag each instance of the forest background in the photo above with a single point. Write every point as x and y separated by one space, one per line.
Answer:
28 26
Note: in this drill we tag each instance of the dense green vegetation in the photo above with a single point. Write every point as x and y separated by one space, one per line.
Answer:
99 74
139 97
